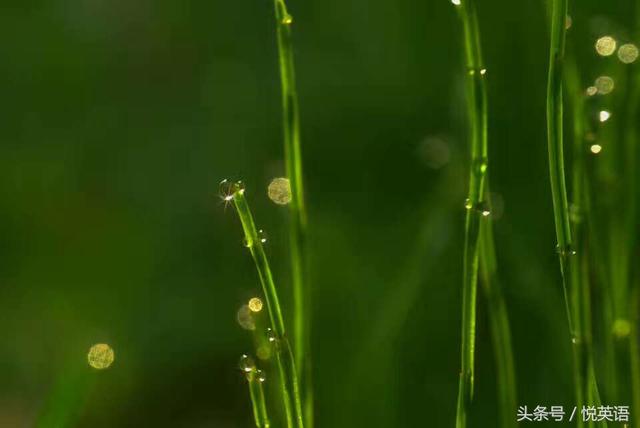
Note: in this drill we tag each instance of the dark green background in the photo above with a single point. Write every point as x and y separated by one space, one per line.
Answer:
119 118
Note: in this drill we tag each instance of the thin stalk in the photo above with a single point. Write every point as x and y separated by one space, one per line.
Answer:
477 104
575 286
499 323
298 219
255 379
557 179
284 354
580 279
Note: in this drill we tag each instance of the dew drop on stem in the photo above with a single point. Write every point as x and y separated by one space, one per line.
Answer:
246 364
260 375
480 166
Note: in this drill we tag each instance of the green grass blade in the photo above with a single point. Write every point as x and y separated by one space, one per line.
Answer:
284 354
298 219
477 102
255 380
574 278
500 329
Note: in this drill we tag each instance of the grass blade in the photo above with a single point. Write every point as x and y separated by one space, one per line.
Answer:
500 329
255 380
477 102
284 354
573 268
298 219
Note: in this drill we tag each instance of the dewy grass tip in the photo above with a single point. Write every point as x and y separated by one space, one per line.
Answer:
284 354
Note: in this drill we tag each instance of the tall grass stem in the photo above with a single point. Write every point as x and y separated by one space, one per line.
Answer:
477 105
499 325
298 218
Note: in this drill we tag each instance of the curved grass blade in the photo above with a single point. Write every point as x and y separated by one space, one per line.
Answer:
476 92
284 354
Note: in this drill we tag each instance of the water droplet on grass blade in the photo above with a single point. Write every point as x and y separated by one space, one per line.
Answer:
480 166
228 188
566 251
287 19
468 204
246 363
262 236
595 148
260 375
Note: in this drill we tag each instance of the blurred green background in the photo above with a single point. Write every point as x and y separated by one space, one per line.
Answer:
117 121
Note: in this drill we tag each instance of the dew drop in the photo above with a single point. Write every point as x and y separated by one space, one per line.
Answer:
287 20
225 190
262 236
260 376
568 22
279 191
271 335
565 252
628 53
229 188
246 242
468 204
480 166
591 91
605 46
246 363
483 71
595 148
456 2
